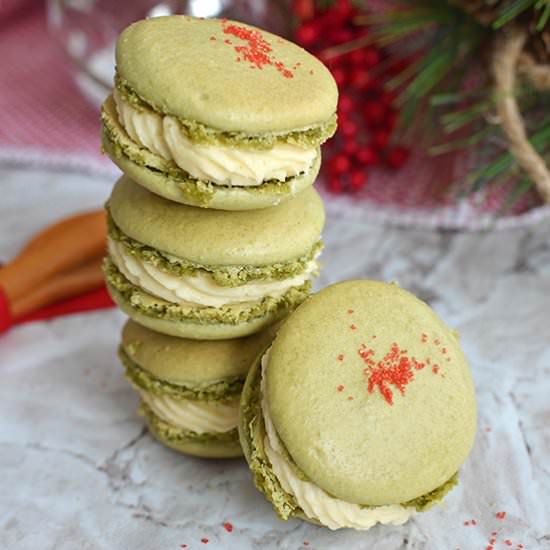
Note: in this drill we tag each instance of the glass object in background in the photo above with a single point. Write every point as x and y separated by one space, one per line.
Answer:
87 30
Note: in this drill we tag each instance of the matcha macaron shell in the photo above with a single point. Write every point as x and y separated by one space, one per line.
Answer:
186 372
385 403
193 364
382 389
215 237
269 94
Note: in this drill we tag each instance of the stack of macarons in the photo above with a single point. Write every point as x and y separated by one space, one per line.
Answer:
354 406
214 229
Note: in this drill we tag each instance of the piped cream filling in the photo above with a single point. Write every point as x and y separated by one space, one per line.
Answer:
196 416
316 503
232 166
199 289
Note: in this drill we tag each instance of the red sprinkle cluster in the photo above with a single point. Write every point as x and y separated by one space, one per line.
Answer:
257 51
228 527
395 369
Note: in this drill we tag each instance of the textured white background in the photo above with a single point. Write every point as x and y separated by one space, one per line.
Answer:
79 472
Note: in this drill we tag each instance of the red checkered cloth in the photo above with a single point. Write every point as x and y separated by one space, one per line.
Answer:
45 121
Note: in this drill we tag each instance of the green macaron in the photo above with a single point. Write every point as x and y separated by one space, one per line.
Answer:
385 403
190 389
209 274
241 130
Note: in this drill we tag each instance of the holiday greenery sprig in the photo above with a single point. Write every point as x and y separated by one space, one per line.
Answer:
478 75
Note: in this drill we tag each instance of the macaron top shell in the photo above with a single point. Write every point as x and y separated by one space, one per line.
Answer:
225 74
185 361
382 391
218 237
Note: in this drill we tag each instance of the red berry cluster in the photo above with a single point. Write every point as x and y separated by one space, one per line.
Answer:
366 115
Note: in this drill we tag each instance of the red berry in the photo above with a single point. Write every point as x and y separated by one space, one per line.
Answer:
340 76
371 57
330 62
375 113
397 157
345 104
307 34
380 138
392 118
357 57
360 79
350 147
348 128
340 35
358 179
388 97
303 9
367 156
399 66
335 185
340 12
361 31
339 164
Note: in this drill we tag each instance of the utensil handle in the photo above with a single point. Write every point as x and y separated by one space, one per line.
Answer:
65 285
58 248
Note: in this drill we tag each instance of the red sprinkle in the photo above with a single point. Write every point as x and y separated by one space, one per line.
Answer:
228 527
183 545
490 548
435 369
494 534
204 541
306 543
467 523
520 546
508 542
374 336
437 342
395 369
474 522
350 398
350 311
311 72
500 515
257 51
353 327
443 350
341 357
340 388
213 38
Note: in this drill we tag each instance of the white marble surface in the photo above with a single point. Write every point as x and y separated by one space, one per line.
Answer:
79 472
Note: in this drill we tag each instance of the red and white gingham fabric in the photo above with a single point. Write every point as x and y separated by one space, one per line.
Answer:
45 121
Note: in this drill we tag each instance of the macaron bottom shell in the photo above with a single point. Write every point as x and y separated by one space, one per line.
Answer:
127 297
201 445
160 177
252 433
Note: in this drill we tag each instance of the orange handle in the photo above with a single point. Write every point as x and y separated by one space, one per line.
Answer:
61 247
65 285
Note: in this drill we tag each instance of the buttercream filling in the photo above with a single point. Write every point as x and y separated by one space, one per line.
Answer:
316 503
199 288
163 136
196 416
